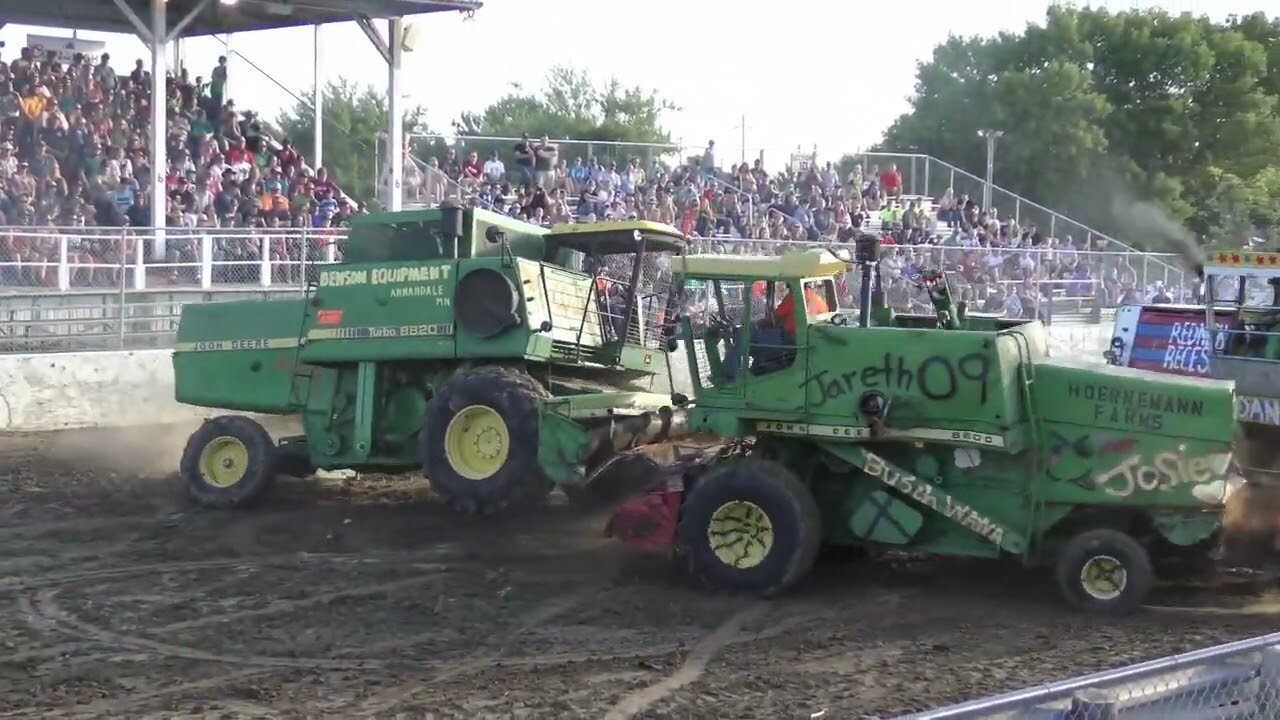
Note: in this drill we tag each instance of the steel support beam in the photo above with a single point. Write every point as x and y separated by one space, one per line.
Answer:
159 127
395 114
142 29
317 101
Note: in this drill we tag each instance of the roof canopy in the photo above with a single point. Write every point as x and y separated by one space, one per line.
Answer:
213 16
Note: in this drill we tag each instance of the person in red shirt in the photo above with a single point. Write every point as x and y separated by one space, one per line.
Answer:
472 171
891 182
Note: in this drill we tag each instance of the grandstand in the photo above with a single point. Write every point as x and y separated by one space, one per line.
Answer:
246 213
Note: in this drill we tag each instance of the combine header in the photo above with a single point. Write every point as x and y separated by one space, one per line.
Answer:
502 360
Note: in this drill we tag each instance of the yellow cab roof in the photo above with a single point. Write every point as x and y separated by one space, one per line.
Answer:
808 263
617 235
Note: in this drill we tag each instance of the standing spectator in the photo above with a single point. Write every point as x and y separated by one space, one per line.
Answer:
891 182
525 160
218 84
545 157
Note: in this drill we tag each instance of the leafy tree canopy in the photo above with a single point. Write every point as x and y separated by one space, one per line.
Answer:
354 118
1103 110
572 106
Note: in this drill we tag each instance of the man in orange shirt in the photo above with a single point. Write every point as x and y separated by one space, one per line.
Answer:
768 341
814 304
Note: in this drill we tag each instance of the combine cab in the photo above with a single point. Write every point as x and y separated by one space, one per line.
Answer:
952 434
431 347
1234 336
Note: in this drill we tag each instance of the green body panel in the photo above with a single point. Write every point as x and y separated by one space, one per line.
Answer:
988 447
239 355
362 353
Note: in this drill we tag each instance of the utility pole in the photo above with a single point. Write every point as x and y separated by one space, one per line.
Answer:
742 127
991 137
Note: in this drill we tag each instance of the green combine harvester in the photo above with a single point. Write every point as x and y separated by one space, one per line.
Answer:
503 360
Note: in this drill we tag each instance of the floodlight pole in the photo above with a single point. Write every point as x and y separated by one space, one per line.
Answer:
317 101
395 114
391 48
991 136
159 129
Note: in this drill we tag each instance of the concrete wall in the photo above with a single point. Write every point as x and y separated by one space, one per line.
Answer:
56 391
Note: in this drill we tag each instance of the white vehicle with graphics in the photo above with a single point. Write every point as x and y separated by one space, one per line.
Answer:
1235 335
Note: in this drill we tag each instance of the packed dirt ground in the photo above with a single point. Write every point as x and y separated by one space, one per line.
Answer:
367 599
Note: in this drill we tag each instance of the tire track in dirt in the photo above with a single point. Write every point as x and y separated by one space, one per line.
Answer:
693 666
285 606
486 655
19 584
49 616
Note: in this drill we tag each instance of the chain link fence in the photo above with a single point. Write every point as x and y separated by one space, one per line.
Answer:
109 281
1239 680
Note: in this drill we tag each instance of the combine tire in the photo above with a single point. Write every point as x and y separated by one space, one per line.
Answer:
1104 571
750 526
229 462
480 441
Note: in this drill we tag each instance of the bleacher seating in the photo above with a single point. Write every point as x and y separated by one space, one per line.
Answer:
73 154
999 266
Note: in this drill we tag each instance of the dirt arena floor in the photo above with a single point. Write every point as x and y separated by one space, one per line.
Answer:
120 599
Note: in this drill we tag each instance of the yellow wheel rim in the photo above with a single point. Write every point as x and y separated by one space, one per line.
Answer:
476 442
224 461
1104 577
740 534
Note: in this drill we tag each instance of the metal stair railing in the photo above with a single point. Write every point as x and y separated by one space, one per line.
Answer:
927 175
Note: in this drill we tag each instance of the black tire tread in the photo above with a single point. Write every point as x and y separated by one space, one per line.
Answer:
517 488
796 495
258 477
1137 562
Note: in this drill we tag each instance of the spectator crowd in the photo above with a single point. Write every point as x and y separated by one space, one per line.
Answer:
75 162
998 265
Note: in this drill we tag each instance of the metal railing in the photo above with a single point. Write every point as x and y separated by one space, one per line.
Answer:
68 259
569 150
112 290
103 259
927 175
1236 680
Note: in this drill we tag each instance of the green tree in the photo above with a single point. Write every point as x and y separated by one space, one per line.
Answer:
571 106
1104 110
355 123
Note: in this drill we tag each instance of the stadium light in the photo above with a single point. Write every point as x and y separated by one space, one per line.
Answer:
991 136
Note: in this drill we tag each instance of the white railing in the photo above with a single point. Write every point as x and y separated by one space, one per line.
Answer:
1236 680
71 259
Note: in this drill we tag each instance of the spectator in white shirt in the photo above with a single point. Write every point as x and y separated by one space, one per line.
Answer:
494 170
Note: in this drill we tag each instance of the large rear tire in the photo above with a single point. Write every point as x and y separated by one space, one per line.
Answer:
229 462
751 526
480 441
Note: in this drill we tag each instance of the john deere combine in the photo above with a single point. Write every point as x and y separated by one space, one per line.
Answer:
940 434
430 347
502 359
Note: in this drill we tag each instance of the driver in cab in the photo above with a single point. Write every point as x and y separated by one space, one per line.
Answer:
774 336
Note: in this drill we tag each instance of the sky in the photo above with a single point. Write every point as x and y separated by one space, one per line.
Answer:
816 75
